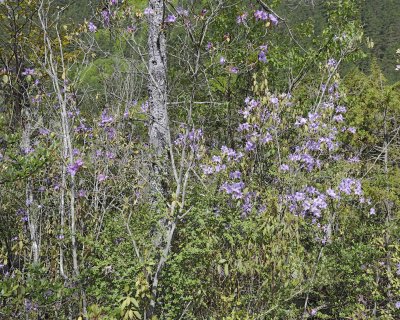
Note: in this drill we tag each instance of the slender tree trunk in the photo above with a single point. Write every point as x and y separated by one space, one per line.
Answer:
159 135
30 211
53 68
159 127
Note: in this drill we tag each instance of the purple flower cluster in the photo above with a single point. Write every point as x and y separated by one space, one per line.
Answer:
92 27
307 202
235 189
74 167
191 138
264 16
349 186
170 19
105 119
82 128
241 19
106 15
262 56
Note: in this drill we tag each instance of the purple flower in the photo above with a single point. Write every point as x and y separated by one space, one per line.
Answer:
105 118
331 193
235 175
28 150
98 153
106 16
182 12
244 127
28 72
111 133
354 160
203 12
126 113
341 109
44 131
74 167
235 189
397 304
300 122
351 130
273 19
222 61
313 312
250 146
60 236
170 19
216 159
348 185
209 46
92 27
233 70
338 118
131 29
220 167
274 100
207 170
110 155
262 57
266 138
145 107
260 15
331 63
284 167
101 177
372 211
148 11
81 193
242 18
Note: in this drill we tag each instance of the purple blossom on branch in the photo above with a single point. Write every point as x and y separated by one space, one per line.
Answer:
261 15
92 27
74 167
273 19
234 189
170 19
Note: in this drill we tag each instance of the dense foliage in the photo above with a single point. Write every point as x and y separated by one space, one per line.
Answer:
270 191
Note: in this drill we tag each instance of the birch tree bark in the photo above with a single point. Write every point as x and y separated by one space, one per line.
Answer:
157 85
159 134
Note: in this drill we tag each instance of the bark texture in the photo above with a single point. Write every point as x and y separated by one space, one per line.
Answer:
159 129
